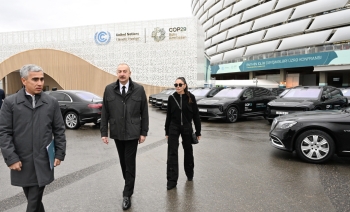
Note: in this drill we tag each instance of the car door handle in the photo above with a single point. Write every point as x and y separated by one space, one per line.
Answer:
63 105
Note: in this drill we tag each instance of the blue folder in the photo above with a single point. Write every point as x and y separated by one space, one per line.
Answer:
51 153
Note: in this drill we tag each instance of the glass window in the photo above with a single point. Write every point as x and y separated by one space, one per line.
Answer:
259 92
346 92
304 93
336 93
213 92
230 93
248 93
59 96
88 96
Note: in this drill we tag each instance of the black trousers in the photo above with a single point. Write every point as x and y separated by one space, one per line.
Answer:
127 156
34 195
173 145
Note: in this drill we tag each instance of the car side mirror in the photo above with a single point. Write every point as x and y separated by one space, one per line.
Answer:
323 98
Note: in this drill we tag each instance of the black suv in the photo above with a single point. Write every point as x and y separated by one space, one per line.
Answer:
305 98
235 102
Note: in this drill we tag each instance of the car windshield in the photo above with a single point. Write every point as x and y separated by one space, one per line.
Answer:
89 96
170 91
164 91
307 93
229 93
284 92
346 92
200 92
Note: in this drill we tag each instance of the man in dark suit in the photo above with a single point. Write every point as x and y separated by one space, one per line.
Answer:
125 108
29 119
2 96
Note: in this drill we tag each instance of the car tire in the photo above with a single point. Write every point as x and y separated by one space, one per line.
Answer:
315 146
71 120
231 114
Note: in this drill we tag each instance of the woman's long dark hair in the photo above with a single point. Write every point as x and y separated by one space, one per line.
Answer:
186 89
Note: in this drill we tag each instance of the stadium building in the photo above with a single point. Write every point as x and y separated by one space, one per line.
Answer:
294 42
86 57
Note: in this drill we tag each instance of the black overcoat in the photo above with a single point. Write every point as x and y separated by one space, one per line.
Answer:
24 134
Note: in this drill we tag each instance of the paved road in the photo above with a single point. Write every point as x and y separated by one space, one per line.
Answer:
236 169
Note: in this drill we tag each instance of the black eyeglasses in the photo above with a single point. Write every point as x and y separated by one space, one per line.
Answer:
180 85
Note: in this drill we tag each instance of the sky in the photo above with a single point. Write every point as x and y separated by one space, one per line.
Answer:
23 15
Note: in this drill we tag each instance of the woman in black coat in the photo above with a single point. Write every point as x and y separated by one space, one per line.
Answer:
180 113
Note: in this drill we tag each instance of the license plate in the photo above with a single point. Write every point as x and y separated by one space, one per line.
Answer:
281 112
202 110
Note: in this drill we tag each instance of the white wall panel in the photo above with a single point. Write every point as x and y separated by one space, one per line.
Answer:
239 6
201 2
222 15
272 19
211 50
258 10
317 7
233 54
228 2
226 45
234 20
216 58
311 39
341 34
240 29
215 9
207 43
195 9
203 18
212 31
262 48
331 19
287 29
193 4
208 4
251 38
218 38
208 24
285 3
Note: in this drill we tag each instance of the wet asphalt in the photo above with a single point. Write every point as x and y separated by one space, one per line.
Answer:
236 169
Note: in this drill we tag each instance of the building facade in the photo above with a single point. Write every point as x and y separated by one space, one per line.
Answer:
294 42
86 57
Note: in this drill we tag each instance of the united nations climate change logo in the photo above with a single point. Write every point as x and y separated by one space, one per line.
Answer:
102 38
158 34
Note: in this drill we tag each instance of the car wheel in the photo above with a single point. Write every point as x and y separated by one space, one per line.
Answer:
71 120
315 146
231 114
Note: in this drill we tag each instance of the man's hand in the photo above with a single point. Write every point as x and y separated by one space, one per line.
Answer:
16 166
105 140
57 162
142 139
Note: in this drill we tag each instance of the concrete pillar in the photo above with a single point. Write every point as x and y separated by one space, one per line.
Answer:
323 79
283 76
251 75
346 80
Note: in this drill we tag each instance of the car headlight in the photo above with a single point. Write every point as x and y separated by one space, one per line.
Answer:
285 124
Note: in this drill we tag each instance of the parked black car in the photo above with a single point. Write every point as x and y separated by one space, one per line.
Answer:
199 93
78 107
314 135
306 98
160 95
235 102
153 96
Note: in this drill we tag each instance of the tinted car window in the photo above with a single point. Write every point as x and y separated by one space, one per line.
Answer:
309 93
259 92
336 93
248 93
230 93
60 96
200 92
213 92
88 96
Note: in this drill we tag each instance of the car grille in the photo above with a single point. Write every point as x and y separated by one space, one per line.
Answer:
291 109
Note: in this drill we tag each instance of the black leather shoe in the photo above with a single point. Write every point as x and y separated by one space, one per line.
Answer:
126 203
170 187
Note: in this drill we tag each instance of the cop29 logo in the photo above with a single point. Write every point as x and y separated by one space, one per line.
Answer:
102 38
158 34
